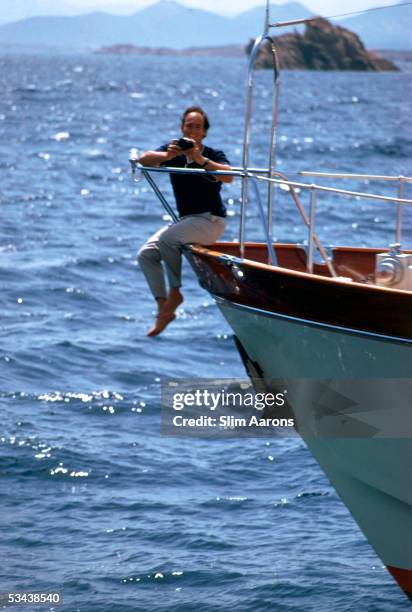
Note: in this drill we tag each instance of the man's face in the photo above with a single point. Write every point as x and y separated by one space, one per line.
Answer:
193 127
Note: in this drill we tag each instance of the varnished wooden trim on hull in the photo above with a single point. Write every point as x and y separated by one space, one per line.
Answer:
352 305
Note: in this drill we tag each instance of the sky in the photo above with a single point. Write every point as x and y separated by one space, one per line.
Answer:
11 10
236 6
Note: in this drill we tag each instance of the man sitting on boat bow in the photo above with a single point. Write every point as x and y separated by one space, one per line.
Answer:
200 209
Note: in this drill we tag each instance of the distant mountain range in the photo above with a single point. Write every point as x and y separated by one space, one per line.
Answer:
13 10
169 24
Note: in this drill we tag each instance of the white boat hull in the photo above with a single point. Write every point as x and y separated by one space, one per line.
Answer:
351 396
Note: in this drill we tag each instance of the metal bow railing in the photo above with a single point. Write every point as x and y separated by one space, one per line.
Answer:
262 175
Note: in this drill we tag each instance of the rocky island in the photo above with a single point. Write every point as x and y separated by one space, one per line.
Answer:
322 46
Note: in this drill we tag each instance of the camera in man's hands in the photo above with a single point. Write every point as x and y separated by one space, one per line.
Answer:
185 143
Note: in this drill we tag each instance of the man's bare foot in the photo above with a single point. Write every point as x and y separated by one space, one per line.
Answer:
166 311
160 305
161 322
173 301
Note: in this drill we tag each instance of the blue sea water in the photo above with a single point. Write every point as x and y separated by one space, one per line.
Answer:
95 503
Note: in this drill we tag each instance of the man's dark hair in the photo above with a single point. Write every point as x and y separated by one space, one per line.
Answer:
197 109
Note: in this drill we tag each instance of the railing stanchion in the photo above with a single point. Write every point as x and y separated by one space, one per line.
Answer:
273 139
313 195
399 215
271 251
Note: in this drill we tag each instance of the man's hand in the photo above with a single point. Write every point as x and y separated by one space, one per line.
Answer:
173 150
194 154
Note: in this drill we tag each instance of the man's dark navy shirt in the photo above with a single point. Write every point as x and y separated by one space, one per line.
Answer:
197 194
